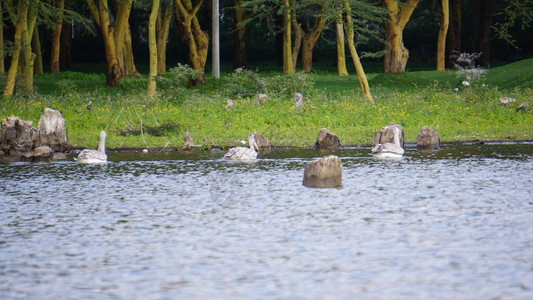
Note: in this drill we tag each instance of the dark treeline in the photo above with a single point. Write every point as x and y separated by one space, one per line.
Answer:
482 26
262 46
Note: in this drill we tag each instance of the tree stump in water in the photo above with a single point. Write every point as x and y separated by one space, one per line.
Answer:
427 139
327 140
17 136
52 131
386 135
323 173
262 143
42 153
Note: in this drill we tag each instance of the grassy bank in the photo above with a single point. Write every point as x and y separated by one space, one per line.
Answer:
414 99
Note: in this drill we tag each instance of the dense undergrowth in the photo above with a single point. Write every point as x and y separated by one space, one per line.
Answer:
413 99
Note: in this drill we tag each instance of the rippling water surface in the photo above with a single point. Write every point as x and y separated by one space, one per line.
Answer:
453 224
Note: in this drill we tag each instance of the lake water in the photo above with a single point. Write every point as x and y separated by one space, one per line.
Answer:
453 224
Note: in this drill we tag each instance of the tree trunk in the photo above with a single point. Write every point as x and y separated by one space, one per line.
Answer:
152 45
396 55
453 41
239 31
486 11
2 66
288 66
361 76
341 54
56 37
193 36
113 35
122 34
113 70
298 34
28 57
65 53
22 18
129 61
310 38
443 30
36 45
163 28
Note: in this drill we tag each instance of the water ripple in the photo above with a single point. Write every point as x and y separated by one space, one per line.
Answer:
457 223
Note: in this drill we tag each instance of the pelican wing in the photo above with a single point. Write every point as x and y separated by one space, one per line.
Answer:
388 148
241 153
91 156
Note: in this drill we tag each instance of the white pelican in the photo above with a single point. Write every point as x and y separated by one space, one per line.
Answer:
244 153
389 149
91 156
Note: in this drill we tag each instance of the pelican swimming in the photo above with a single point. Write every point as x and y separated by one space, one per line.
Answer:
389 149
91 156
244 153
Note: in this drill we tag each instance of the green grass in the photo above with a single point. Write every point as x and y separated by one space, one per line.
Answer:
413 99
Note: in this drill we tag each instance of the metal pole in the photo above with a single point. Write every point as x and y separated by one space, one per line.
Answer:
215 40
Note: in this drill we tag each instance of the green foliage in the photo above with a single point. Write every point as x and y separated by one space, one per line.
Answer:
414 100
66 86
515 13
287 85
177 77
243 83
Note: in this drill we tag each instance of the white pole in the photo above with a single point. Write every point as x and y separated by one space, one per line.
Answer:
215 40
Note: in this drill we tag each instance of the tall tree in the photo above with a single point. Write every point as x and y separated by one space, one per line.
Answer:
28 57
152 45
312 26
164 18
21 22
297 44
396 55
443 31
341 54
113 35
65 51
192 35
2 66
36 46
485 12
453 39
240 17
59 6
361 75
288 66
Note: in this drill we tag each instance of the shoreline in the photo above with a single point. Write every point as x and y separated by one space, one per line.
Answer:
219 148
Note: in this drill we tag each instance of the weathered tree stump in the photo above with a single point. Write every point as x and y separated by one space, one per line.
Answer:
17 136
39 154
323 173
386 135
327 140
262 144
427 139
52 131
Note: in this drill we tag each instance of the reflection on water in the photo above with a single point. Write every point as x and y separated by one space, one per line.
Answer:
457 223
